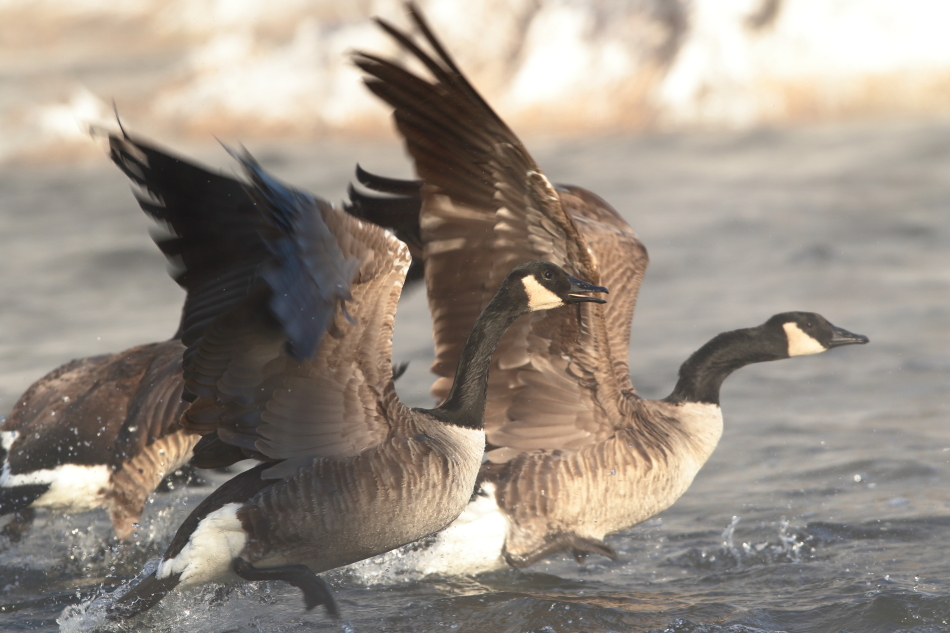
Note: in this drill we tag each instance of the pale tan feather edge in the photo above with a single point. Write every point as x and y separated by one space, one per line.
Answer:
138 477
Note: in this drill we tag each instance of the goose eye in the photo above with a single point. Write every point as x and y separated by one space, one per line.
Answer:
809 324
548 274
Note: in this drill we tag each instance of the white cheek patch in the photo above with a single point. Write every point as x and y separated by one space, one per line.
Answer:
799 343
539 297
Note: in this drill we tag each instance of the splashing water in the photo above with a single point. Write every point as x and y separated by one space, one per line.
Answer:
788 546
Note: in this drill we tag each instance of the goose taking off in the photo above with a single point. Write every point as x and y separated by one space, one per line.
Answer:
98 432
573 453
288 329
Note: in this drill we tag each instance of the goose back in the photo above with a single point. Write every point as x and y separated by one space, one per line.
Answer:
96 432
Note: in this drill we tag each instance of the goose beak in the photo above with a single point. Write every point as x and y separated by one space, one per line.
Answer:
580 291
841 336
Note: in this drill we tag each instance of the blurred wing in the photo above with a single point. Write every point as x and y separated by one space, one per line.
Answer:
288 371
486 208
198 205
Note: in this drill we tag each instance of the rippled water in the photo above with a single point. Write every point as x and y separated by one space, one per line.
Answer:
826 506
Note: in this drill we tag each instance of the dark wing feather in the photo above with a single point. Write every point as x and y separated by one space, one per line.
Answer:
398 211
307 273
486 208
198 205
299 366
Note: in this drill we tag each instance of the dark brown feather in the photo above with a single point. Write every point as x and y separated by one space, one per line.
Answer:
292 368
486 208
121 411
111 405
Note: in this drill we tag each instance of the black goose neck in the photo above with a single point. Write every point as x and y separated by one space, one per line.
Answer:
465 404
703 373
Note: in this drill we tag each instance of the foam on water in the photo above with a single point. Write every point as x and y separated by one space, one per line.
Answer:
91 614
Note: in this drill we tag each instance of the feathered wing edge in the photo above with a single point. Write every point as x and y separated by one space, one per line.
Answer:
487 207
295 265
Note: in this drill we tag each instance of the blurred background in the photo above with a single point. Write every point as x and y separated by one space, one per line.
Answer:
772 155
188 69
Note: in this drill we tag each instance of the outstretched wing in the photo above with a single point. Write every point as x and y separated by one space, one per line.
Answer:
293 303
486 208
200 204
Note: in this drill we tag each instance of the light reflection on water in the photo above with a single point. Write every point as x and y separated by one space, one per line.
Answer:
835 465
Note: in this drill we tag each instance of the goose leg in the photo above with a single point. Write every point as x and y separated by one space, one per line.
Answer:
578 546
315 589
583 546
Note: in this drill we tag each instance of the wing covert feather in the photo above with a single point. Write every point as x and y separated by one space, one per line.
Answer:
277 407
486 207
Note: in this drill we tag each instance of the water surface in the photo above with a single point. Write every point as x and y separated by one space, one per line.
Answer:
826 506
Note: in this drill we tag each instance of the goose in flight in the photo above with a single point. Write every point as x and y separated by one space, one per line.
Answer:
573 453
288 331
97 432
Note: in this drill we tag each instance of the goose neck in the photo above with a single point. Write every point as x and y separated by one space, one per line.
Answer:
702 375
465 404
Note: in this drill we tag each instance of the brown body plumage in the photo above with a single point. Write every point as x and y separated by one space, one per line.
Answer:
573 452
96 432
288 326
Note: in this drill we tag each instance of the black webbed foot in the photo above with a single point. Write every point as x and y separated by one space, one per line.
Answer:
315 589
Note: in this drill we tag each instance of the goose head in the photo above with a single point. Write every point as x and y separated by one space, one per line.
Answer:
542 285
782 336
529 287
810 333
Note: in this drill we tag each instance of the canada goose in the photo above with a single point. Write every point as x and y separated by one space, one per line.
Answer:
96 432
573 453
349 471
